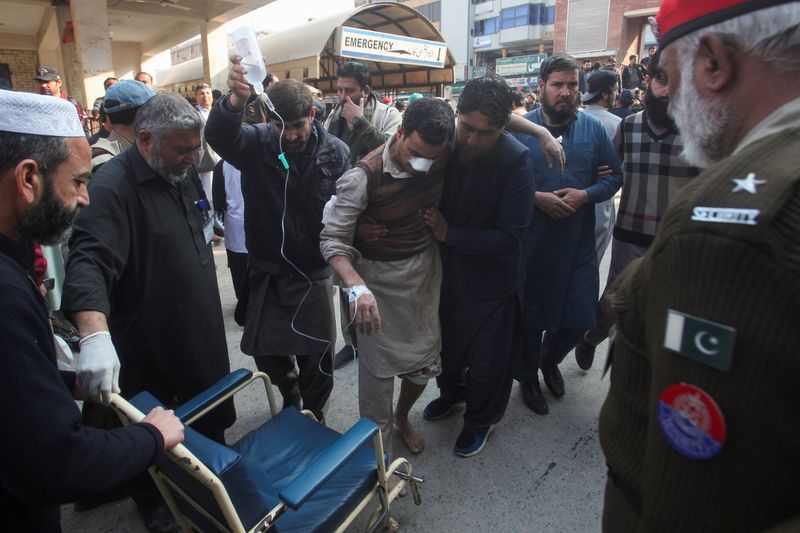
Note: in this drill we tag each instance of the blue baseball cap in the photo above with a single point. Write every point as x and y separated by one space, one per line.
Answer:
126 94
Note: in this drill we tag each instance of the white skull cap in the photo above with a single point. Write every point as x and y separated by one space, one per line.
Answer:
37 114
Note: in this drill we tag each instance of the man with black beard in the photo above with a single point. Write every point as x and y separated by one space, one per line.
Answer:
48 456
140 268
562 284
654 171
289 170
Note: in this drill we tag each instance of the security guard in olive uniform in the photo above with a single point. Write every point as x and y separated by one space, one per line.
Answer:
700 428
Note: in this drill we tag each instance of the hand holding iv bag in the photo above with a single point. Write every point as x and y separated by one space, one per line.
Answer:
246 44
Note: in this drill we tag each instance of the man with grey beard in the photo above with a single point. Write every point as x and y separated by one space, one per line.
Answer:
141 284
700 429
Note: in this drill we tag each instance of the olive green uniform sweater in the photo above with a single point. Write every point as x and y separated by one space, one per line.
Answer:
745 276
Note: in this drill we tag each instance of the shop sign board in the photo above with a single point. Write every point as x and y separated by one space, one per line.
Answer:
509 66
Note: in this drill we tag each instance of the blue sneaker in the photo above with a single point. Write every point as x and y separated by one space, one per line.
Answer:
470 443
440 408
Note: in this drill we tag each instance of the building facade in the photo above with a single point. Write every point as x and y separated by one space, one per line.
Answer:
598 29
512 37
485 36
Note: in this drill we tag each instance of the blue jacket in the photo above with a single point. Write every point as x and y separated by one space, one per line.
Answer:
562 270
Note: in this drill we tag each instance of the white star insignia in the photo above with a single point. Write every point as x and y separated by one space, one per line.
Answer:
748 184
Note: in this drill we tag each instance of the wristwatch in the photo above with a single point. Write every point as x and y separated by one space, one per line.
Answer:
353 122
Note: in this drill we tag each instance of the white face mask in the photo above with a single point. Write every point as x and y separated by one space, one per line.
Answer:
420 164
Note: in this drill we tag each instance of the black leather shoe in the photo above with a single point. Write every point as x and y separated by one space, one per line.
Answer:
553 380
343 356
532 397
584 355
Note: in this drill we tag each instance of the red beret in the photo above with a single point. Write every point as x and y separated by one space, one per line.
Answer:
677 18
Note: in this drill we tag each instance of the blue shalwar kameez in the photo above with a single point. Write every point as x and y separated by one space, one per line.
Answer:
562 276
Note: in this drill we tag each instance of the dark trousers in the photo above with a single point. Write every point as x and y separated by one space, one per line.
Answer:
478 348
314 380
542 348
622 254
237 263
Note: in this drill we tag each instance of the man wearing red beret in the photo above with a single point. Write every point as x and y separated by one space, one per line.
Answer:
700 428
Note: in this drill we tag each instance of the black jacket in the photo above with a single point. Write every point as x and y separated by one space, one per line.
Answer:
487 204
627 74
253 149
138 254
48 457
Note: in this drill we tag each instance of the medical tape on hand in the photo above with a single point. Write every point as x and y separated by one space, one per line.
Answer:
357 291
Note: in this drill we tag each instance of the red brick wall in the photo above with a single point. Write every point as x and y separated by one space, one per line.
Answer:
22 64
560 27
623 34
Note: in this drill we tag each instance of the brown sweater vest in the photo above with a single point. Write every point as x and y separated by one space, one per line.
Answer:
399 204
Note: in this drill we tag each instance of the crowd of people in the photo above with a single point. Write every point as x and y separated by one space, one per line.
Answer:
464 247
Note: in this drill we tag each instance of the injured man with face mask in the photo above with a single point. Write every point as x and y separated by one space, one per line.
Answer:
393 276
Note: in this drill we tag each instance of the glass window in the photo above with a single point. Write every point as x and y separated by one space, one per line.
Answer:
486 26
537 15
432 11
550 15
530 14
514 16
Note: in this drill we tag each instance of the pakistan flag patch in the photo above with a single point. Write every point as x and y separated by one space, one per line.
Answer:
700 340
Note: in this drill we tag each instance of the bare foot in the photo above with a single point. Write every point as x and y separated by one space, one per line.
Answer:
411 437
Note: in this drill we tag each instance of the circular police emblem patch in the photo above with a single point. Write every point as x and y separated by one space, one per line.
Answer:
691 421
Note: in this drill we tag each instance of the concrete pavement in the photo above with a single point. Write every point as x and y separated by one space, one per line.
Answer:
537 473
